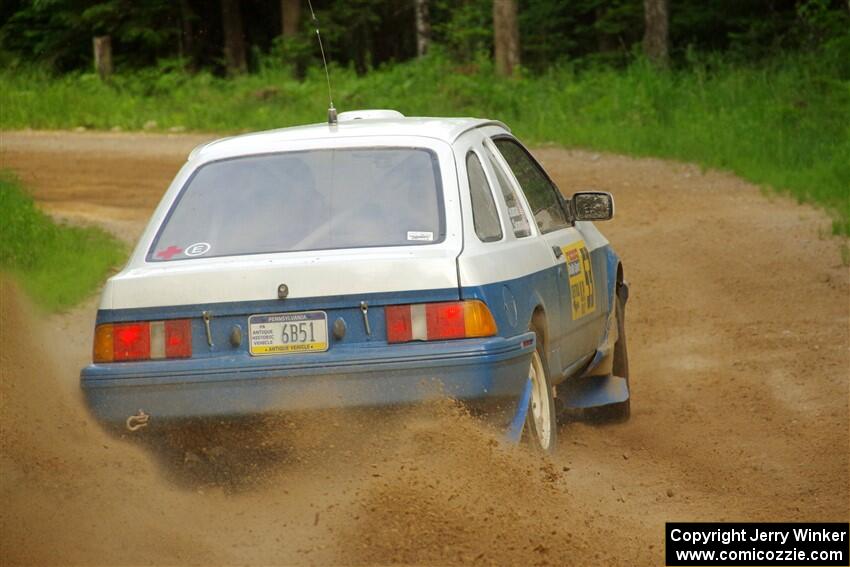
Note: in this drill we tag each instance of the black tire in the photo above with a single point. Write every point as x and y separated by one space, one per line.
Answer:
541 424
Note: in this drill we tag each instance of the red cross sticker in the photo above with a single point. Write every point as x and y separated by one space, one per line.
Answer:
169 252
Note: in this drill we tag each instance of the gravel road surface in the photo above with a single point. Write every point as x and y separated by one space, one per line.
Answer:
740 362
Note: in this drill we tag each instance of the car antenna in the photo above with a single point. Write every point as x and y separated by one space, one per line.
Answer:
332 118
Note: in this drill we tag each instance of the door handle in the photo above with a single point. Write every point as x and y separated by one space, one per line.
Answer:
558 252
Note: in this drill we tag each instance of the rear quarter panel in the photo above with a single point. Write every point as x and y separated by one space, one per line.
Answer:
512 276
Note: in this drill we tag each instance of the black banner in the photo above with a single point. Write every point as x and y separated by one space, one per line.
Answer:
757 544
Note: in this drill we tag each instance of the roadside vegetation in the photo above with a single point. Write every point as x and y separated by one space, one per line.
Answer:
58 265
784 123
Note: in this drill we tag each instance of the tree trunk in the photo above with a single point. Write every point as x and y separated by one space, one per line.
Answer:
187 35
604 42
655 37
506 36
234 37
103 56
423 27
290 13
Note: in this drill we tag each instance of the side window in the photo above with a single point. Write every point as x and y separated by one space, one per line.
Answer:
516 214
541 193
485 217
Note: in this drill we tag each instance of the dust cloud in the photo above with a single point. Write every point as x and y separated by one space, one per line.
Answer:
425 485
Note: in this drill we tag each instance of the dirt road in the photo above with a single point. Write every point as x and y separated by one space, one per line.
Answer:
740 355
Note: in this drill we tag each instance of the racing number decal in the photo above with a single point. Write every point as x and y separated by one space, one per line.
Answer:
580 272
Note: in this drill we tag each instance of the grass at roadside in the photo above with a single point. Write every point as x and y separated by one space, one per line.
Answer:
785 124
57 265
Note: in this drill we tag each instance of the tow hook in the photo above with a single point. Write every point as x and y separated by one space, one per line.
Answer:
364 309
138 421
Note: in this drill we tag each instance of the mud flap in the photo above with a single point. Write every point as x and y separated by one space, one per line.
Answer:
514 432
593 391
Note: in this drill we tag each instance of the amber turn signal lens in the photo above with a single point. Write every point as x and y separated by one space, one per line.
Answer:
102 351
478 320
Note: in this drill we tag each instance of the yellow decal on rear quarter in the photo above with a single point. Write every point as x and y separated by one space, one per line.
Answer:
580 272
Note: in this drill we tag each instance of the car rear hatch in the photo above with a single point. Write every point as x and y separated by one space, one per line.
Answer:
314 243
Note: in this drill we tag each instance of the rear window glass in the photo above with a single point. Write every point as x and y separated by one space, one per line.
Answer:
312 200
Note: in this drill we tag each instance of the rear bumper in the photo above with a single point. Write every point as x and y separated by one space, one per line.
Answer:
474 369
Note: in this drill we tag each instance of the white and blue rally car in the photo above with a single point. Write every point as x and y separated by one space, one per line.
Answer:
380 260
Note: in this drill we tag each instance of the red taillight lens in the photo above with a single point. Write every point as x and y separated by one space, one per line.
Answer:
445 321
131 341
398 323
438 321
178 339
145 340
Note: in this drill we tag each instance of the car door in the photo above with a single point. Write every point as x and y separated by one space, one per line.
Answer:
578 259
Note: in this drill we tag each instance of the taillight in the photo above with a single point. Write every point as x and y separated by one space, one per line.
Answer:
438 321
178 339
146 340
103 343
131 341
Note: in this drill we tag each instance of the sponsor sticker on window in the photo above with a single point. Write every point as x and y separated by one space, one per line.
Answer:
420 236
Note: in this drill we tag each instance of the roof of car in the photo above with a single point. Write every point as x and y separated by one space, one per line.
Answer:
446 129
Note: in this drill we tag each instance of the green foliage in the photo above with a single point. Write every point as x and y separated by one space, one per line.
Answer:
58 33
295 53
58 265
50 32
464 29
367 34
785 124
592 30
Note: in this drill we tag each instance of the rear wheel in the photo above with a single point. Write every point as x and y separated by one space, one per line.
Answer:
541 423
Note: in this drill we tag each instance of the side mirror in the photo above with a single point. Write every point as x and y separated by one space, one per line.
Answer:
592 206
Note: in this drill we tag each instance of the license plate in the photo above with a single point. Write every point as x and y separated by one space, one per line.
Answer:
288 333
